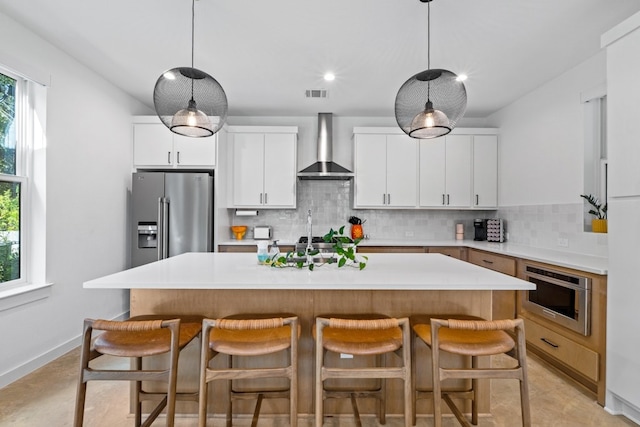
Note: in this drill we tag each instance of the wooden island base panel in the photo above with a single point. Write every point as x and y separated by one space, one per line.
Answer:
395 285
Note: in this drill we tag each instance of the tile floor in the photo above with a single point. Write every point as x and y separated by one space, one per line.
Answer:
47 397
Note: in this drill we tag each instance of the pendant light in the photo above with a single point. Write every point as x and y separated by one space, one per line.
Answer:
188 101
430 103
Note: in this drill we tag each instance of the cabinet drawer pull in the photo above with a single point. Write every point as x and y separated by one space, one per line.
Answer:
486 261
546 341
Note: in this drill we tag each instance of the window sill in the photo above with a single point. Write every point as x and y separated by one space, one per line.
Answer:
15 296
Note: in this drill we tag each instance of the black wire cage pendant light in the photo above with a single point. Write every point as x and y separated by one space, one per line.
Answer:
188 101
430 103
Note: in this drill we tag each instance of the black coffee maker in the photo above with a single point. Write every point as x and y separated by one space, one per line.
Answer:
480 228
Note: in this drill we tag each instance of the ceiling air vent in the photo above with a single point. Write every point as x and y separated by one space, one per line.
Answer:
317 93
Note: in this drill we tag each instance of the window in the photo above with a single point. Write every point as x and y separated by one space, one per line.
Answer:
595 152
12 179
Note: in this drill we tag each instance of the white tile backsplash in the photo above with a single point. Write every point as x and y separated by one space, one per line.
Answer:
330 203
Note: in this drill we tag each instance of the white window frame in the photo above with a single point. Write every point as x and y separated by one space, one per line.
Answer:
31 137
595 152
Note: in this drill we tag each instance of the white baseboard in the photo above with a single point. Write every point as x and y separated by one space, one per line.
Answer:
616 405
26 368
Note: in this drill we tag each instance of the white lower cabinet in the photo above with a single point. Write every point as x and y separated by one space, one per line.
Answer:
263 161
156 146
445 172
385 171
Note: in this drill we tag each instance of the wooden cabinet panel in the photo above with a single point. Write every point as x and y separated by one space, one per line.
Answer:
452 251
390 249
503 264
572 354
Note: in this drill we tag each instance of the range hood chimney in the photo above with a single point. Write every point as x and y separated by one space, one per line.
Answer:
325 168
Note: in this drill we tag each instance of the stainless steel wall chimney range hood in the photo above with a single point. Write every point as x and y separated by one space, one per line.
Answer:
325 168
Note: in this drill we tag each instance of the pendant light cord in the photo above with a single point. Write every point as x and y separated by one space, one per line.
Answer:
429 48
193 14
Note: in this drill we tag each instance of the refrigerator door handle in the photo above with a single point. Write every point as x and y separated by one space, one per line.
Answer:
165 228
160 228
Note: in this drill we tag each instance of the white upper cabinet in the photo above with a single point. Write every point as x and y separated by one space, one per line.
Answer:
263 163
457 171
385 170
485 171
156 146
445 172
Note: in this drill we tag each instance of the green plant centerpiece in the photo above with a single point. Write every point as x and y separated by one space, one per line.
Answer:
344 254
599 210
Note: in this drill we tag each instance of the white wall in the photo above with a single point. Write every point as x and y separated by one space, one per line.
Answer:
542 139
88 171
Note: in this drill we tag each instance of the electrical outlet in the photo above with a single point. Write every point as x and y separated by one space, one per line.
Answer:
563 242
408 234
346 356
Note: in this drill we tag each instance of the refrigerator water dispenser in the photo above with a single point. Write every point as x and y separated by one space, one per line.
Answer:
147 235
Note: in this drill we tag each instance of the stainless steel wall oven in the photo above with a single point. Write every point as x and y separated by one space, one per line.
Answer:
560 297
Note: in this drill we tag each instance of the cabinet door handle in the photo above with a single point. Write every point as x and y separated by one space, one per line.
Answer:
265 198
546 341
178 157
447 199
260 198
169 157
388 198
477 200
384 199
443 199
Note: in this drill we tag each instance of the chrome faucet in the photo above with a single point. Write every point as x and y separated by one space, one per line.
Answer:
309 232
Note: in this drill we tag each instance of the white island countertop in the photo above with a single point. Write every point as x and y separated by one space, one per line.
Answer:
242 271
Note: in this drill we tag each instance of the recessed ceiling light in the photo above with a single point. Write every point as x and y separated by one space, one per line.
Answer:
461 77
329 77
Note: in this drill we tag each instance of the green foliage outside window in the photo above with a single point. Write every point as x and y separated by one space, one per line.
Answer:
9 191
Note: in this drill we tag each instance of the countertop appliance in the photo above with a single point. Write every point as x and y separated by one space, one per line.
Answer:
560 297
262 232
172 213
480 229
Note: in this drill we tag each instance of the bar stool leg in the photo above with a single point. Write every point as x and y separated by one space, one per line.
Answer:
137 391
230 392
318 382
437 392
474 386
382 413
205 356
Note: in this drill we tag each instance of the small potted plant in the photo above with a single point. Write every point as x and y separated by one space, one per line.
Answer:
599 210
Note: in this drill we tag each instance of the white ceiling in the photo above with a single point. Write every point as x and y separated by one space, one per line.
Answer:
265 54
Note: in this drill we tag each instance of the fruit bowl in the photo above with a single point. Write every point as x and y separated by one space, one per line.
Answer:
238 231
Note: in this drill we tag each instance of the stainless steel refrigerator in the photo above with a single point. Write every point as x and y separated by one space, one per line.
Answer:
172 213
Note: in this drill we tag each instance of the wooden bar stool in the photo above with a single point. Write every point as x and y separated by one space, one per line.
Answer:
362 335
474 338
250 335
138 337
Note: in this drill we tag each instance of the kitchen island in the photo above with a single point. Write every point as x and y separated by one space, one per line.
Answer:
221 284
